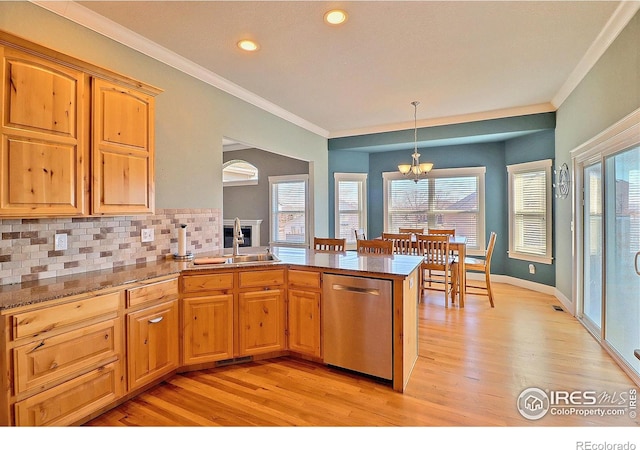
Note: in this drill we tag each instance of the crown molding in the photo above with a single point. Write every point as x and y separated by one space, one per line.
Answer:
451 120
616 23
108 28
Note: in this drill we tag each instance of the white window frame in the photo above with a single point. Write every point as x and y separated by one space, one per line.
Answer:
307 218
362 201
448 173
534 166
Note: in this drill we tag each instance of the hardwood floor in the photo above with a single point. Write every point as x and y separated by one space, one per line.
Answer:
473 364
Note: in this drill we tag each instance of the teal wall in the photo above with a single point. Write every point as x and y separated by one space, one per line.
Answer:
192 117
609 92
494 156
533 147
343 162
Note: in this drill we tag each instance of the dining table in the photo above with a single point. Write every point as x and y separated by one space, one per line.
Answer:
457 244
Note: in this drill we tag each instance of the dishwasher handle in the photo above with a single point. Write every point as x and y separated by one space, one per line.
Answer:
357 290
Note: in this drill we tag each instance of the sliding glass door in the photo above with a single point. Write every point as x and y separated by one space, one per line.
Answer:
593 245
622 244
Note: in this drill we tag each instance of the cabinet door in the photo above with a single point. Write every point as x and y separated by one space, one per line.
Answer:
304 322
122 149
44 149
152 343
261 321
207 328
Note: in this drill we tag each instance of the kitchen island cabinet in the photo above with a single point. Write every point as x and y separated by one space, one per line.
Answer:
303 312
75 347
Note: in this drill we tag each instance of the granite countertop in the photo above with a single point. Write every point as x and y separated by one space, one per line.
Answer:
32 292
22 294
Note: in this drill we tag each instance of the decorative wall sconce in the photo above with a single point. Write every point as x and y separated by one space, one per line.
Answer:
563 181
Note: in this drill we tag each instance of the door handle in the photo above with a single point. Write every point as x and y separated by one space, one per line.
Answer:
156 320
359 290
636 263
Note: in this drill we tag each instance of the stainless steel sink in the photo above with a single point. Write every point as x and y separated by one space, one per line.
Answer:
255 258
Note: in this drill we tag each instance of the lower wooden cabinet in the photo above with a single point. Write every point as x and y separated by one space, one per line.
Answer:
304 322
261 321
207 331
152 343
71 401
303 312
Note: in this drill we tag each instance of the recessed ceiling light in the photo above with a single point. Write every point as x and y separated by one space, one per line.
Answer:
335 17
248 45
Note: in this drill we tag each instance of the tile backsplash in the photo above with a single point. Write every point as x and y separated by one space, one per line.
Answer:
95 243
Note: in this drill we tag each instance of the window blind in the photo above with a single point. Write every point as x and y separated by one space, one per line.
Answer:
288 211
530 211
437 202
349 194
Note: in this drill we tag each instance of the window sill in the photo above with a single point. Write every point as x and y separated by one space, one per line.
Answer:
531 258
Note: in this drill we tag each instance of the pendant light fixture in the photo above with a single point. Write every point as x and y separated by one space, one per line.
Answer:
415 170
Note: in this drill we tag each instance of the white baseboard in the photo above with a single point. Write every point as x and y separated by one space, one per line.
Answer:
538 287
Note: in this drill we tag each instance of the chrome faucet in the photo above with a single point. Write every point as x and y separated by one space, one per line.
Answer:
238 237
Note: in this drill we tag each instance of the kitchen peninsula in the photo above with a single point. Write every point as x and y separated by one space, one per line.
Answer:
140 324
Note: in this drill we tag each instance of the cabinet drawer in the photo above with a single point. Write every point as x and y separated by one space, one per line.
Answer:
40 321
162 290
261 278
73 400
204 283
304 278
43 362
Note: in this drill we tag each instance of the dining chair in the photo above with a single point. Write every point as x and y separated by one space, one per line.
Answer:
411 230
402 244
436 256
329 244
479 265
360 234
374 246
447 231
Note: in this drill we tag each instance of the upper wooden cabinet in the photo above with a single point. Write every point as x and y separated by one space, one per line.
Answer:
54 161
44 157
122 150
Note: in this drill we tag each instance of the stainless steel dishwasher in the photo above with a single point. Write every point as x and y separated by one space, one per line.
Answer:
357 324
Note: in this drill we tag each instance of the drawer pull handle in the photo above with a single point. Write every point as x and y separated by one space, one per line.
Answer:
156 320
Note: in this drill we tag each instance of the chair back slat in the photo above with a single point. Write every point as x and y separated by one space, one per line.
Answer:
374 246
402 244
447 231
329 244
411 230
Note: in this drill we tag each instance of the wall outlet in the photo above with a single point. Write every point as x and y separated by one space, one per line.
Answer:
532 268
60 241
147 235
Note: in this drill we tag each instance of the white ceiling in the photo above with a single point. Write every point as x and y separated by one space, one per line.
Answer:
462 60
